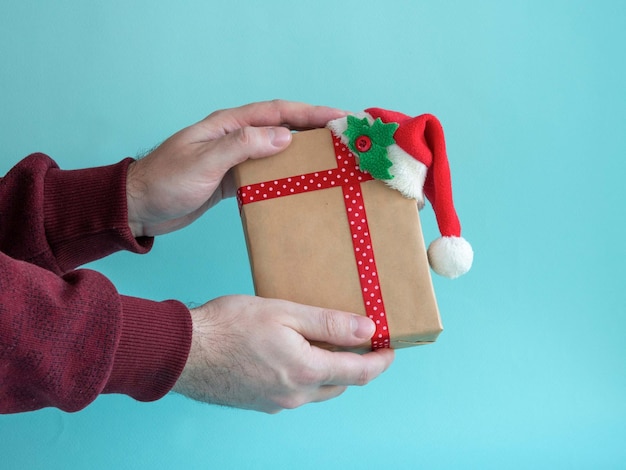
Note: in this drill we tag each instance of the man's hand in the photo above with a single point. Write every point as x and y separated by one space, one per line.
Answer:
177 182
254 353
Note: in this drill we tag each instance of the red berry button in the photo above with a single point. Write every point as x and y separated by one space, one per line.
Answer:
363 143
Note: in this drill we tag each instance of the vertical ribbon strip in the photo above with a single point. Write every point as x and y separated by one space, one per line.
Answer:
349 177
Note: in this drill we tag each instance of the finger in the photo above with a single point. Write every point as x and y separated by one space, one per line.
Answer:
328 392
330 326
294 115
245 143
345 368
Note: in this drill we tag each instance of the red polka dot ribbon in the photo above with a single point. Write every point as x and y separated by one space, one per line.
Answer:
349 177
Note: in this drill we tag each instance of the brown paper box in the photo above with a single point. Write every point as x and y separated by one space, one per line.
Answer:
301 250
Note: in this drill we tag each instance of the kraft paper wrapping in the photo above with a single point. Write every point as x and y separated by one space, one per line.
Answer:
300 246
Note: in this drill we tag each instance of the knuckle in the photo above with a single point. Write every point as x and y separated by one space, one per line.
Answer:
364 377
308 377
217 114
337 391
277 107
291 402
277 103
333 324
245 136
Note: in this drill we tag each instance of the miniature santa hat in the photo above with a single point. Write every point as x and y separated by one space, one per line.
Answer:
420 166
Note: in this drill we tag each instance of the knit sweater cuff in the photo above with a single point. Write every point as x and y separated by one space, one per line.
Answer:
152 350
86 214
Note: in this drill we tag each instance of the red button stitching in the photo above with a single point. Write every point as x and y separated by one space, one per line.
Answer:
363 143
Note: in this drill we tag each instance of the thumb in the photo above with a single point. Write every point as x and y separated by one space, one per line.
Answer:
335 327
248 142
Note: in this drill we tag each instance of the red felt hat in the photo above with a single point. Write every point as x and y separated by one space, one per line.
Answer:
420 167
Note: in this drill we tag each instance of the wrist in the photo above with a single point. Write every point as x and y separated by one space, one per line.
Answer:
152 350
134 192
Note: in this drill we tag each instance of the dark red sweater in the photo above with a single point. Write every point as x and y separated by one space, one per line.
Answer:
66 334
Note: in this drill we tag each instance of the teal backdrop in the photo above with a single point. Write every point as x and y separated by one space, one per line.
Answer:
530 371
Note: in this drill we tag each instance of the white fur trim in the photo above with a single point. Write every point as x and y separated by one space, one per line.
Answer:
450 256
339 126
408 173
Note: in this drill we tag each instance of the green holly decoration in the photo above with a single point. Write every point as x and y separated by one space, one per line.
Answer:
369 143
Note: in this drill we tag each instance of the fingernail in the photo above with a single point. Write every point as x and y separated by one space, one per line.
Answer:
362 327
279 136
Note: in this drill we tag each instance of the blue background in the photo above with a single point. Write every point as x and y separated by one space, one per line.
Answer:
530 371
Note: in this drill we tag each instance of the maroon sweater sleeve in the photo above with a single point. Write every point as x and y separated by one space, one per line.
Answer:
60 219
67 335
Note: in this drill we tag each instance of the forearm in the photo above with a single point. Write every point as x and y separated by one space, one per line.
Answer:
61 219
64 340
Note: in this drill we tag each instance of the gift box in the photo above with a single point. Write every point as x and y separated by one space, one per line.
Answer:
333 222
313 223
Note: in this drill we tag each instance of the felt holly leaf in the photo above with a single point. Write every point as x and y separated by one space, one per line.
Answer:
369 142
376 164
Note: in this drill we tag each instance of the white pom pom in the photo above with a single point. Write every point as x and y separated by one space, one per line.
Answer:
450 256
